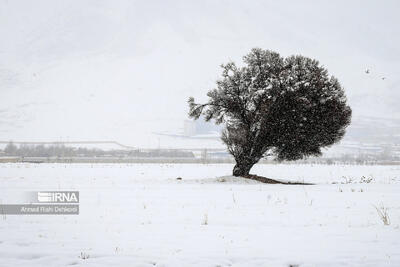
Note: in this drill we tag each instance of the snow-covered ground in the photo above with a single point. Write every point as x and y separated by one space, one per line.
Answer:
140 215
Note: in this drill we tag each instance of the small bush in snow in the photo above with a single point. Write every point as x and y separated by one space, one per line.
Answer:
365 180
205 220
84 256
347 180
383 214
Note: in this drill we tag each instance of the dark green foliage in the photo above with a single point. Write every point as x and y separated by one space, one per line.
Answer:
287 107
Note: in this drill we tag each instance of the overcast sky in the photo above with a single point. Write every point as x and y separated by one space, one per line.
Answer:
121 70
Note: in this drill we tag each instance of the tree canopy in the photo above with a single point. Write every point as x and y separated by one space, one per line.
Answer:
287 107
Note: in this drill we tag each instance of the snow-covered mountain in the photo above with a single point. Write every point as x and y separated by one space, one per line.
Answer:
123 70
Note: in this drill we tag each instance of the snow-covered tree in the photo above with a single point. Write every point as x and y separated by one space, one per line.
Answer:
284 107
10 149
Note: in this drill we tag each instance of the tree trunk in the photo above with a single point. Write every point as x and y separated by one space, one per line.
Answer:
242 168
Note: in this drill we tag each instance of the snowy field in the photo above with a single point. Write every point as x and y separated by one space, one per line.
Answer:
141 215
